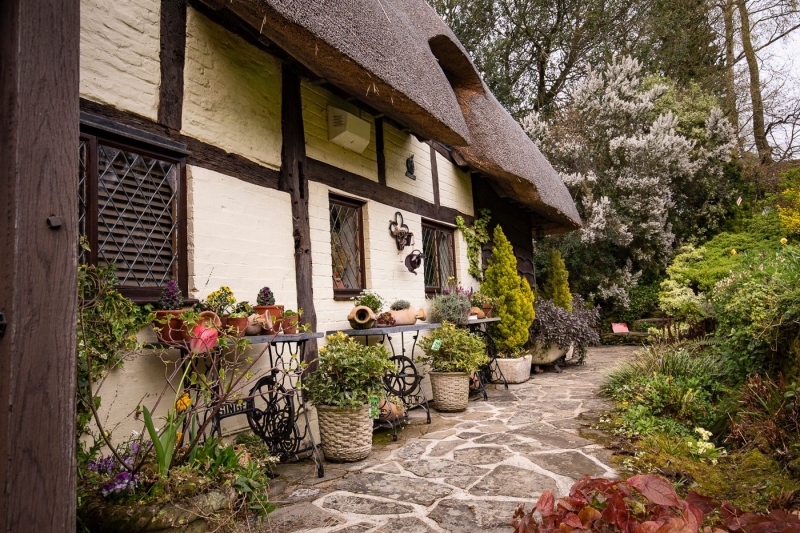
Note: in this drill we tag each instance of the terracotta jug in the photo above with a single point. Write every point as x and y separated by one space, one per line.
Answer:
361 317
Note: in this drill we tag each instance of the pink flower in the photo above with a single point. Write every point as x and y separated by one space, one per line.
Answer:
203 339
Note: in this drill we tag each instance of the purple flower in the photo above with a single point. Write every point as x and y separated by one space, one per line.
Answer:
123 483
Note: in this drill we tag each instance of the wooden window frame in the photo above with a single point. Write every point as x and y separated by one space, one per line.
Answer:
95 136
347 294
431 291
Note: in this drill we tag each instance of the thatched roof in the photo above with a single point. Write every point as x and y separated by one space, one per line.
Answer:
388 53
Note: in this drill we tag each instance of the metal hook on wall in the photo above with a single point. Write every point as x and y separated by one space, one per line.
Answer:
400 232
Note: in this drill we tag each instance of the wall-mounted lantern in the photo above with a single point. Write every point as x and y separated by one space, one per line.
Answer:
410 167
414 261
400 231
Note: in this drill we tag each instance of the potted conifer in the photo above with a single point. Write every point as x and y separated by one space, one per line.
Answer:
513 304
452 353
345 388
169 328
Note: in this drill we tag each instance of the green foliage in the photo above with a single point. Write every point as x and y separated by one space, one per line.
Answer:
399 305
789 202
107 325
451 307
513 305
221 300
643 302
453 349
758 313
669 388
349 373
556 285
371 299
476 237
164 443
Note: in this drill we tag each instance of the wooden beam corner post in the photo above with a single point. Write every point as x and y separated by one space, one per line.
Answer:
293 179
39 91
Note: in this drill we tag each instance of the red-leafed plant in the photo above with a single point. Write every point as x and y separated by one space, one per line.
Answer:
640 504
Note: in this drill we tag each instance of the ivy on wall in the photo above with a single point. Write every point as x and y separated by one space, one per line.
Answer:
476 236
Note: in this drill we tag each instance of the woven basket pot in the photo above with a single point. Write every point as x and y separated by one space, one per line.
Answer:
346 433
450 391
514 370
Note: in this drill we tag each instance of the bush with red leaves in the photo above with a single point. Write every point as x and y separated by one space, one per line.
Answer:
641 504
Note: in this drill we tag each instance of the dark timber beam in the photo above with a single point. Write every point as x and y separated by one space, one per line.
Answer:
293 179
435 176
381 155
172 59
39 66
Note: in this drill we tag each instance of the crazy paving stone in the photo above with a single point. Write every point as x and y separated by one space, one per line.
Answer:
552 437
515 482
484 455
525 416
356 528
412 450
437 468
360 505
444 448
473 516
570 464
299 517
389 468
467 435
497 438
404 525
399 488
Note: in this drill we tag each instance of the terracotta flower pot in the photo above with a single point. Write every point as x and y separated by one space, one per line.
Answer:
478 312
288 324
361 317
237 326
487 311
275 311
390 411
169 331
408 316
203 337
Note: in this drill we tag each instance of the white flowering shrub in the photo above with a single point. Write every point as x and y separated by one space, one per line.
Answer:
635 174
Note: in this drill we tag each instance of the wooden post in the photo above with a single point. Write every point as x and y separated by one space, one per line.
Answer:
172 59
435 176
379 150
39 70
293 180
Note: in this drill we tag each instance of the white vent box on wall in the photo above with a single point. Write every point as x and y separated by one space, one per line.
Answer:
347 130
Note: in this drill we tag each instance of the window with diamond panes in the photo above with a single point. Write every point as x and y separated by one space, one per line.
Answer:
437 245
130 213
347 247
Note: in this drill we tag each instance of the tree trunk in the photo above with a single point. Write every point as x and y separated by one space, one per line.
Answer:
759 130
730 78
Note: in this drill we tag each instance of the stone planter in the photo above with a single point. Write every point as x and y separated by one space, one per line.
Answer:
514 370
102 517
547 355
450 391
346 433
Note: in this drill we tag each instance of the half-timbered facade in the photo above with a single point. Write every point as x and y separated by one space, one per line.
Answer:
263 143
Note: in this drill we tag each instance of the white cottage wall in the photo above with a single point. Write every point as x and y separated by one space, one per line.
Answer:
120 44
315 123
398 147
455 186
232 93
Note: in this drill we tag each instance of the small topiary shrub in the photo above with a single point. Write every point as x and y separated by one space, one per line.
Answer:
556 286
453 349
513 303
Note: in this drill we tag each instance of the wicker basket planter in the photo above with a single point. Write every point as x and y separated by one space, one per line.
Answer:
516 370
450 391
346 433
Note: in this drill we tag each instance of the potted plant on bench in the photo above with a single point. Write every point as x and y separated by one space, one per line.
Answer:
169 328
266 304
348 378
452 353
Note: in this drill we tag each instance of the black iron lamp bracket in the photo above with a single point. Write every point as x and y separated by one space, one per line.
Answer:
400 232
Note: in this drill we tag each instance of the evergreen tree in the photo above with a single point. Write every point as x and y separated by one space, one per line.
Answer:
513 295
556 286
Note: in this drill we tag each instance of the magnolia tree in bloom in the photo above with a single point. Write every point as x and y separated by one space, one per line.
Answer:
635 176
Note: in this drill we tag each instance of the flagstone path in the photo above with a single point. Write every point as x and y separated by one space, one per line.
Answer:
465 472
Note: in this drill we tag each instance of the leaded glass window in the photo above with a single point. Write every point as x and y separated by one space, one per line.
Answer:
347 247
130 213
437 245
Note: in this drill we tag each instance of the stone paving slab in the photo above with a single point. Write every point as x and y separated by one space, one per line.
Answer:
465 472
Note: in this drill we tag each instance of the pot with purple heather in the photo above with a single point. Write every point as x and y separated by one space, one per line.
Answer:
167 325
